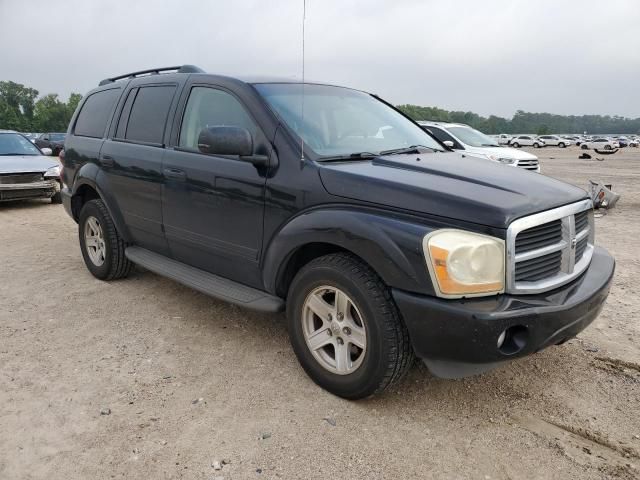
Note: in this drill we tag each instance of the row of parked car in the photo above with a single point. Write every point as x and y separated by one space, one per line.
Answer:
585 142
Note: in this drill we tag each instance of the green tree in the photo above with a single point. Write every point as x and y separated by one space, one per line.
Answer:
16 105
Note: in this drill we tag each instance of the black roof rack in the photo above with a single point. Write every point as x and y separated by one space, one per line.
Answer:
154 71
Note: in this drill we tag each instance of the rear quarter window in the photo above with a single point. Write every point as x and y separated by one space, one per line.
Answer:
95 112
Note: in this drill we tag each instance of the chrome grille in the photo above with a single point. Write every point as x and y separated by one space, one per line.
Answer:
549 249
528 164
15 178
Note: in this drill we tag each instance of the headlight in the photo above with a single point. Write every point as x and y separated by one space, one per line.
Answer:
495 158
464 264
53 172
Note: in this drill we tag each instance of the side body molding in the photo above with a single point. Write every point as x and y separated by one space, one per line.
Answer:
390 245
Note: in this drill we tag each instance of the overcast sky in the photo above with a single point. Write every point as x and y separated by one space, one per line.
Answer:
489 56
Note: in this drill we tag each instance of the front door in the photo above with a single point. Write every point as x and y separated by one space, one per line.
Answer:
213 205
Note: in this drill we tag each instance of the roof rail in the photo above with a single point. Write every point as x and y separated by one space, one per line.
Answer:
153 71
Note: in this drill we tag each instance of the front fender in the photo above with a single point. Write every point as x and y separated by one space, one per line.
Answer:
392 246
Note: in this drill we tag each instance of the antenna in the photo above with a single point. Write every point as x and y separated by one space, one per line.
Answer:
304 16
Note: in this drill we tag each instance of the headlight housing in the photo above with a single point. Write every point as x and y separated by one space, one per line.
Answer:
53 172
505 160
464 264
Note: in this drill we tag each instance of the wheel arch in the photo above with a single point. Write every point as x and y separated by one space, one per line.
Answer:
391 247
86 188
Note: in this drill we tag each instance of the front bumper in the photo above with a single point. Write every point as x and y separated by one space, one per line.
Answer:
24 191
457 338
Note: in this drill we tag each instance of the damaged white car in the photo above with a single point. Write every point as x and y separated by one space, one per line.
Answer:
27 172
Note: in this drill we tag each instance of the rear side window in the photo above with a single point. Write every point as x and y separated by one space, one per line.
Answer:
148 114
95 112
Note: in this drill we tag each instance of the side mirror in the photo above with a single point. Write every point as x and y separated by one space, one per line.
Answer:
47 151
222 140
448 143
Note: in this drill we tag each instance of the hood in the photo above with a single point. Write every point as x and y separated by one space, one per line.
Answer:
506 152
449 185
26 163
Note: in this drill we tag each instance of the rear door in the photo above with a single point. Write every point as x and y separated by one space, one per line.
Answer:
132 160
213 205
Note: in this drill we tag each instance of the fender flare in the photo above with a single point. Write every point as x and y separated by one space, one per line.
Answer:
90 175
390 245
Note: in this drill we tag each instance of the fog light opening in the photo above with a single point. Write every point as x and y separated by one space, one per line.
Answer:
513 339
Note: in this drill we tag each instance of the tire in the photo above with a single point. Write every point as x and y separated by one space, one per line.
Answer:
57 198
607 147
515 145
536 145
388 353
562 145
115 264
584 146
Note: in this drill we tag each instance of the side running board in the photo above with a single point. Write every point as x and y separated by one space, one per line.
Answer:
205 282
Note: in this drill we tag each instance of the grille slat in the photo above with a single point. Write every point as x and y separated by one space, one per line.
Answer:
582 221
15 178
581 246
539 236
537 268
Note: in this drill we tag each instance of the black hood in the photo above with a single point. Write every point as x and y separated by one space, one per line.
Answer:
449 185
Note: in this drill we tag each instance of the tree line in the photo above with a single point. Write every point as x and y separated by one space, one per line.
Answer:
22 110
527 122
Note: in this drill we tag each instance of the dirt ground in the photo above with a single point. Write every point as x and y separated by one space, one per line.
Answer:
145 379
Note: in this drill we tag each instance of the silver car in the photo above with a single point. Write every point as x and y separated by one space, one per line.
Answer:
26 171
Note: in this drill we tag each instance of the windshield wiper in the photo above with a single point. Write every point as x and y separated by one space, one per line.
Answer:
411 149
16 154
351 156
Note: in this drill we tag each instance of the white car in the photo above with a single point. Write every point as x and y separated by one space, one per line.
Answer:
476 144
555 141
526 141
600 144
502 139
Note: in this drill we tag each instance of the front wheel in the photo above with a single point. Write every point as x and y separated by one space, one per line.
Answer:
536 145
561 145
345 327
101 245
515 144
607 147
584 146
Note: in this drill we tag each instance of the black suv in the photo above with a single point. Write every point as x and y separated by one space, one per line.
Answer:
380 242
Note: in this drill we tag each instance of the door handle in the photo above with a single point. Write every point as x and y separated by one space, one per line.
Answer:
175 173
107 161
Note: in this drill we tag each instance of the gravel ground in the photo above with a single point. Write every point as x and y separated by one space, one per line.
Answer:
145 379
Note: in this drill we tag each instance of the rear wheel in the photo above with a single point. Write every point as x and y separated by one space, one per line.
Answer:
607 147
345 327
584 146
101 245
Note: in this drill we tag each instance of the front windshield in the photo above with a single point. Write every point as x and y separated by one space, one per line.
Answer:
14 144
340 121
57 137
472 137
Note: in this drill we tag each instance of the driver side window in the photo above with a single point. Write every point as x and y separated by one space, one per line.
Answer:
210 107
